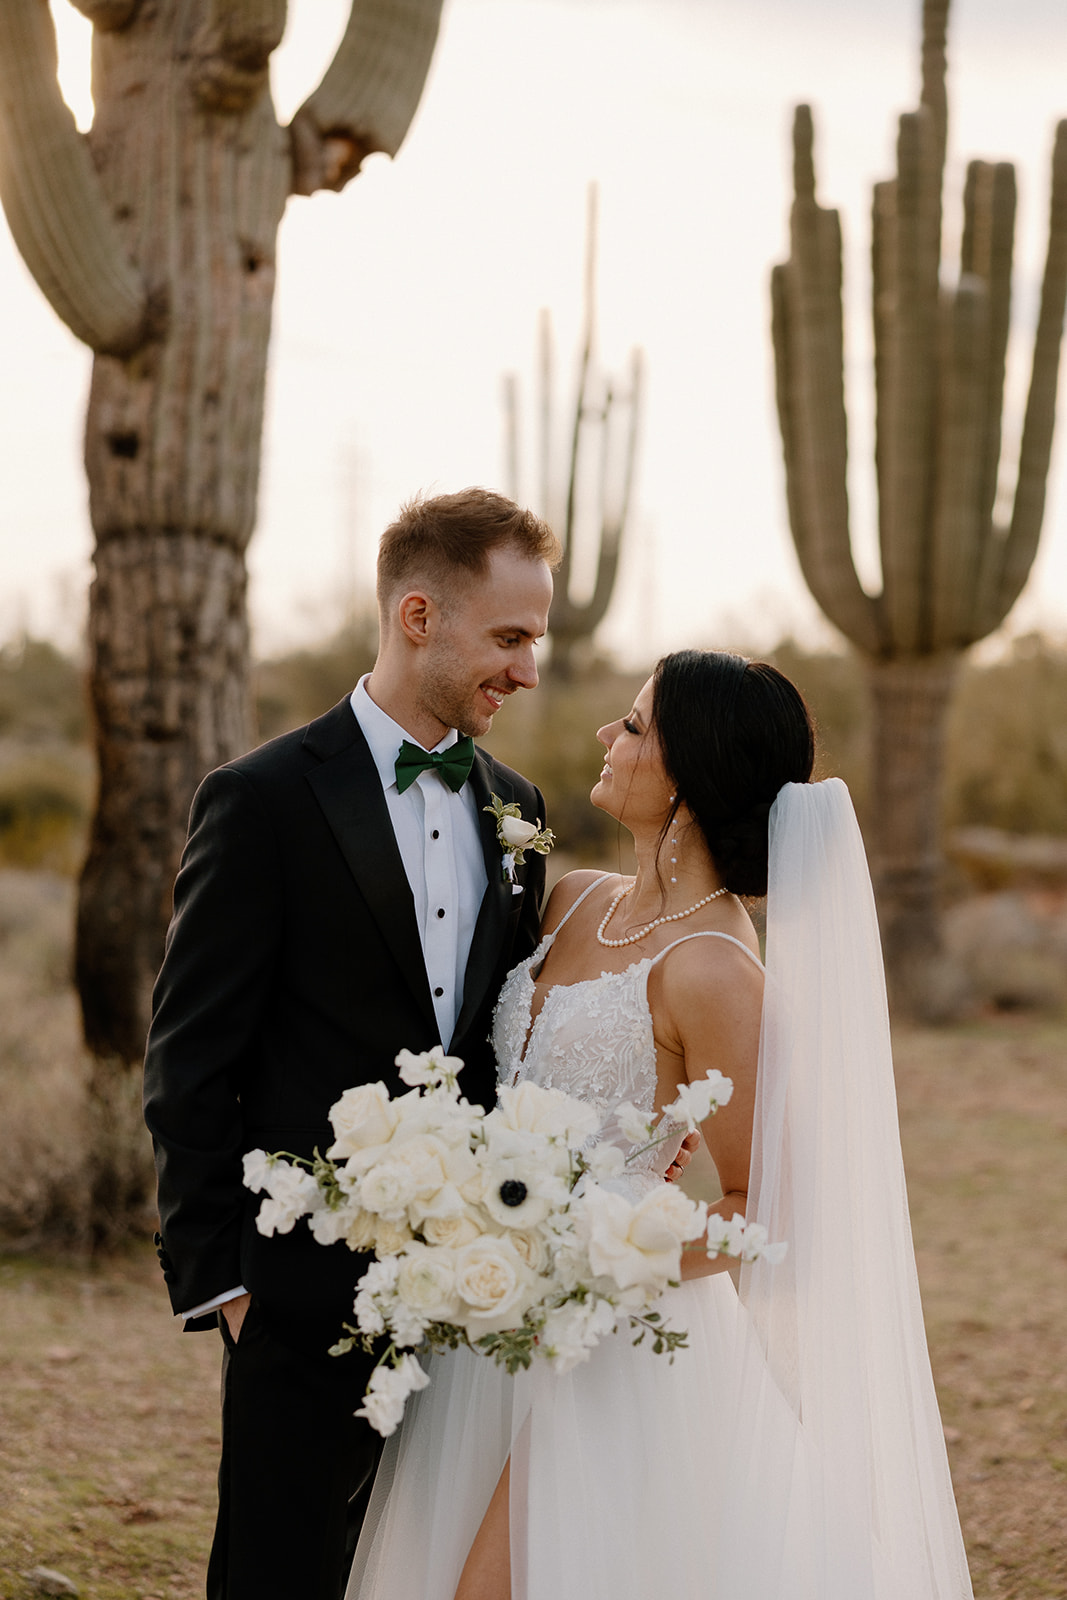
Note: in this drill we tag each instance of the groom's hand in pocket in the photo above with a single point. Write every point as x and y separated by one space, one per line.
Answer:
235 1312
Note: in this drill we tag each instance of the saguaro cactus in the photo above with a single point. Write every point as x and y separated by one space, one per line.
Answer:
599 473
951 567
154 239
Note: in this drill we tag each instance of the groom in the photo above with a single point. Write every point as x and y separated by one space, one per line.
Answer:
334 906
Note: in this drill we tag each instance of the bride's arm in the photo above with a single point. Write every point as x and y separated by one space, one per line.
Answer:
706 1004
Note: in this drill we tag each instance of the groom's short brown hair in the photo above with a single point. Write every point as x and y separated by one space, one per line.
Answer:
445 541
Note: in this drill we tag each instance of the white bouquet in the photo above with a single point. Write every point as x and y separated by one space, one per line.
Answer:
498 1230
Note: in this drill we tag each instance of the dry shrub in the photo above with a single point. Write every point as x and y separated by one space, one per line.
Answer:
43 1065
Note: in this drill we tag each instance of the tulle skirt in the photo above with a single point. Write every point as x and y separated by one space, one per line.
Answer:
623 1480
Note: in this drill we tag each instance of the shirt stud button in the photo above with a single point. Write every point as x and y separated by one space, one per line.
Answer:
440 911
436 834
438 993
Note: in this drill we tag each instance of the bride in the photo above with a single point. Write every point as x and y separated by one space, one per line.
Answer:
793 1449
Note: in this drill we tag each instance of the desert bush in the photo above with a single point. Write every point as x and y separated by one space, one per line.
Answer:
42 692
44 808
43 1066
293 688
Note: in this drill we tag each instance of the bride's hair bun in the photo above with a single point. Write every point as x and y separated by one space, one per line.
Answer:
732 732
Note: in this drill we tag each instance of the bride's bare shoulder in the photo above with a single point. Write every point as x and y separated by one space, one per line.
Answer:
569 889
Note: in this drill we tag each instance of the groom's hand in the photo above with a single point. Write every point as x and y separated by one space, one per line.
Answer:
683 1158
235 1311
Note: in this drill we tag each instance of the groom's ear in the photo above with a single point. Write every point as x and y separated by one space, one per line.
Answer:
417 615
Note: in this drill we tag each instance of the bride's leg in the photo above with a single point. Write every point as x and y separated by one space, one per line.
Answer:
487 1571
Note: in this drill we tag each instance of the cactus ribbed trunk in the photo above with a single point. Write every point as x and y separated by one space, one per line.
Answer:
910 699
154 240
950 570
172 450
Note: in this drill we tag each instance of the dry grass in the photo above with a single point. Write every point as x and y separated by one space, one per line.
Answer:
109 1416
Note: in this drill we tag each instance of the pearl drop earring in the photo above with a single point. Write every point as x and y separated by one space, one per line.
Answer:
674 841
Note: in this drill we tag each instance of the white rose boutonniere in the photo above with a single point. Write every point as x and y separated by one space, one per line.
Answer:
516 837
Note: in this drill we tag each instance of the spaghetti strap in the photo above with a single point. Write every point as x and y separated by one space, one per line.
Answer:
604 876
707 933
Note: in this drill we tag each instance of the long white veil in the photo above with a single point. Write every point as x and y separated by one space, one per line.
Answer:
856 1502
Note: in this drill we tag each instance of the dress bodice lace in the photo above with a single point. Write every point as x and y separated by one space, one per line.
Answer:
592 1039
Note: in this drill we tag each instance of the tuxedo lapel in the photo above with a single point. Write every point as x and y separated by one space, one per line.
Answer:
497 902
349 792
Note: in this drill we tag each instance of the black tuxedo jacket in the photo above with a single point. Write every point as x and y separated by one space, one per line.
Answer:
293 970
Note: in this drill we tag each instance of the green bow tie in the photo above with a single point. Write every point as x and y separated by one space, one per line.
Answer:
453 764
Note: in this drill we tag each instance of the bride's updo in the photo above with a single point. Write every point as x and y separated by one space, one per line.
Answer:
732 732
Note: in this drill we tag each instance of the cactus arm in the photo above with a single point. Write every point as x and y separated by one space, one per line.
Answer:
52 197
545 378
905 420
1020 547
962 414
809 346
992 244
368 94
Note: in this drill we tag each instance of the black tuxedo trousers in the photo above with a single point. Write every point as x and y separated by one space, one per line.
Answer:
294 970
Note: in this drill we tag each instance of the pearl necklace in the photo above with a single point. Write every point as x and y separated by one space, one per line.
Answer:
632 938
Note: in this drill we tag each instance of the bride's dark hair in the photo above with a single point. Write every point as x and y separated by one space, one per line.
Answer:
732 732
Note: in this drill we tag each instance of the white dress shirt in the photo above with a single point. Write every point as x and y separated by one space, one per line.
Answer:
440 847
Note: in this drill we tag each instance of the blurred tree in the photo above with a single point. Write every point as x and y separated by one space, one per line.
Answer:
599 475
153 238
951 567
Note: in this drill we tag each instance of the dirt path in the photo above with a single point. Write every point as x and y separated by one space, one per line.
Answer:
109 1420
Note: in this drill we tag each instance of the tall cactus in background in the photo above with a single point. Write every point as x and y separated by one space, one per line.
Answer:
600 470
951 568
153 238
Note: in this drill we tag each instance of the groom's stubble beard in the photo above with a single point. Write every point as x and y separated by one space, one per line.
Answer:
448 694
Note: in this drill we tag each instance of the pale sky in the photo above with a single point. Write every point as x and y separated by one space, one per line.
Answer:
402 301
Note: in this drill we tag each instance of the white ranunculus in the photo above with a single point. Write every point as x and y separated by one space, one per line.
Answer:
529 1108
572 1330
517 833
387 1392
364 1116
426 1282
388 1189
495 1285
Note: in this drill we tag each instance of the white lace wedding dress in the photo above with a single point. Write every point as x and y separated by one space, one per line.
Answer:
794 1451
618 1470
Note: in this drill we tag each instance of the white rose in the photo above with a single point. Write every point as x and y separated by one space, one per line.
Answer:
495 1285
529 1108
363 1116
517 833
638 1246
348 1222
391 1237
532 1246
452 1231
